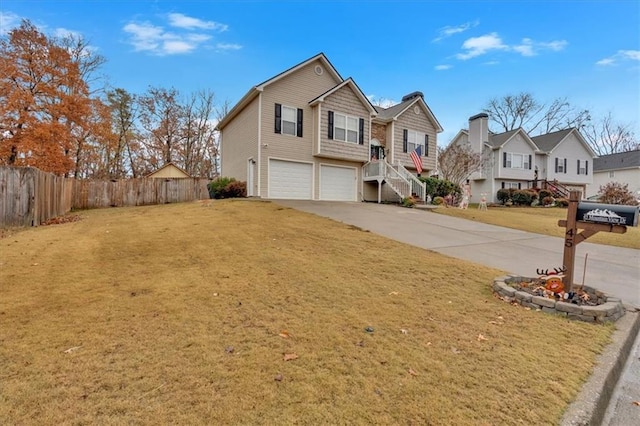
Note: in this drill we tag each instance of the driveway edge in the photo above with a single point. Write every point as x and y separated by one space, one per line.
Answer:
591 404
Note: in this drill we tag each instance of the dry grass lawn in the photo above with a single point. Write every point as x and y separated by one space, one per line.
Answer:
183 314
539 220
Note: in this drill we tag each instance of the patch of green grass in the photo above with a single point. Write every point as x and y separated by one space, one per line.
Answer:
183 314
539 220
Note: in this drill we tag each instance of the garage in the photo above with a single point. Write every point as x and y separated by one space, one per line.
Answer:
290 180
337 183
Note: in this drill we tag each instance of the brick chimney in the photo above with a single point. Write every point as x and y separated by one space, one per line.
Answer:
478 131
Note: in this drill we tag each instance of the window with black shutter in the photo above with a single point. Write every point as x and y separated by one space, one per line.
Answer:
426 145
299 123
278 119
405 141
361 131
330 126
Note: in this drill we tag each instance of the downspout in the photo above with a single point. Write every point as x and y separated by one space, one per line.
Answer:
319 135
393 141
260 145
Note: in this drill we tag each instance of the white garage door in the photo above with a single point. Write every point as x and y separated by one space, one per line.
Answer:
290 180
337 183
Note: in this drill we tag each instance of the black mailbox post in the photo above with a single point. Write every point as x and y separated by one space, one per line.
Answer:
608 214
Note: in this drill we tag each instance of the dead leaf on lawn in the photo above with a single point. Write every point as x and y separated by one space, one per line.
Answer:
481 338
455 350
393 293
636 403
495 323
285 334
500 318
403 331
278 378
428 343
73 349
290 357
412 372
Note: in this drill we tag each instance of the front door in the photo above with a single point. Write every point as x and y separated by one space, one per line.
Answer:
377 152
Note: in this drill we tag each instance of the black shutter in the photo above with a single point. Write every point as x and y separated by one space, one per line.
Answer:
529 161
426 145
361 129
502 185
504 159
278 123
565 165
330 126
578 166
405 139
586 167
299 123
556 164
519 185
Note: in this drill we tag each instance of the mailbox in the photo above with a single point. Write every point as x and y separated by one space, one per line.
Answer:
609 214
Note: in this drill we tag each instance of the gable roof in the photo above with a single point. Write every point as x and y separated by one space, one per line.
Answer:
548 142
621 160
393 112
255 90
168 165
498 140
348 82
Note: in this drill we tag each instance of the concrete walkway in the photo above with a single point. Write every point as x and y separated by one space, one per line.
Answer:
614 270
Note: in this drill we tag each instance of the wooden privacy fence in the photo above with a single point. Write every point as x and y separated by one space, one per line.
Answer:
29 197
90 194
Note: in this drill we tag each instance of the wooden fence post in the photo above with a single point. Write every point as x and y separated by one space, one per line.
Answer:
569 256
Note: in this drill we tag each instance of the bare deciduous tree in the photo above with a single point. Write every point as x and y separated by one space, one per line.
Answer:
523 110
457 162
607 136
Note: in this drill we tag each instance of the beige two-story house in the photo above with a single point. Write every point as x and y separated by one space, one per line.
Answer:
307 133
513 159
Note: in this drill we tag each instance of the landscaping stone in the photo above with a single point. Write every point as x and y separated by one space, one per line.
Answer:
596 306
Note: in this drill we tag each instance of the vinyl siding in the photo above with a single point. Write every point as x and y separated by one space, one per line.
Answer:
516 145
239 142
421 123
629 177
571 149
345 102
294 90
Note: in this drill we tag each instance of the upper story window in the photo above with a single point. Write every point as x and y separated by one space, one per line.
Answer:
583 167
346 128
512 160
612 174
411 139
561 165
288 120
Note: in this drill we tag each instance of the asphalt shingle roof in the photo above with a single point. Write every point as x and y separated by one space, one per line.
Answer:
621 160
497 139
392 111
549 141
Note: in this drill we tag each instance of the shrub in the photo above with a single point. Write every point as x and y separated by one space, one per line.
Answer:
522 197
548 200
226 187
504 194
562 202
616 193
408 202
544 194
438 201
440 187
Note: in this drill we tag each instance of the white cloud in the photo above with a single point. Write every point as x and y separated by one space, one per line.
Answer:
228 46
448 31
157 40
182 21
63 32
8 21
620 55
477 46
442 67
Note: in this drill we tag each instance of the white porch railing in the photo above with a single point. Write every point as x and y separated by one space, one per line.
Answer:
382 171
418 187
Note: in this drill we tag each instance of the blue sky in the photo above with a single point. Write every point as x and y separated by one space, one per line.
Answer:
459 54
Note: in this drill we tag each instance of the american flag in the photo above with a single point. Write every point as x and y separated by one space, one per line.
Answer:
415 156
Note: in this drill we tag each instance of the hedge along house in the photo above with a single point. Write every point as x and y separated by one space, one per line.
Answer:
513 159
307 133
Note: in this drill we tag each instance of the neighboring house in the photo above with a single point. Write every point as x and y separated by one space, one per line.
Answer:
307 133
168 171
513 159
623 167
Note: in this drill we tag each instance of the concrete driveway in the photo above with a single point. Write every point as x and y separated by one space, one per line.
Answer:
611 269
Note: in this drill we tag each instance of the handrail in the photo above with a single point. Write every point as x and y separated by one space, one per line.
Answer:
373 168
417 186
395 179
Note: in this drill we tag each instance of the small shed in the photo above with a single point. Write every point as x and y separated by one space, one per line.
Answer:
169 170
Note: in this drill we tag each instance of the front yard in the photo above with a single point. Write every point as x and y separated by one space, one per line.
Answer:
245 312
540 220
